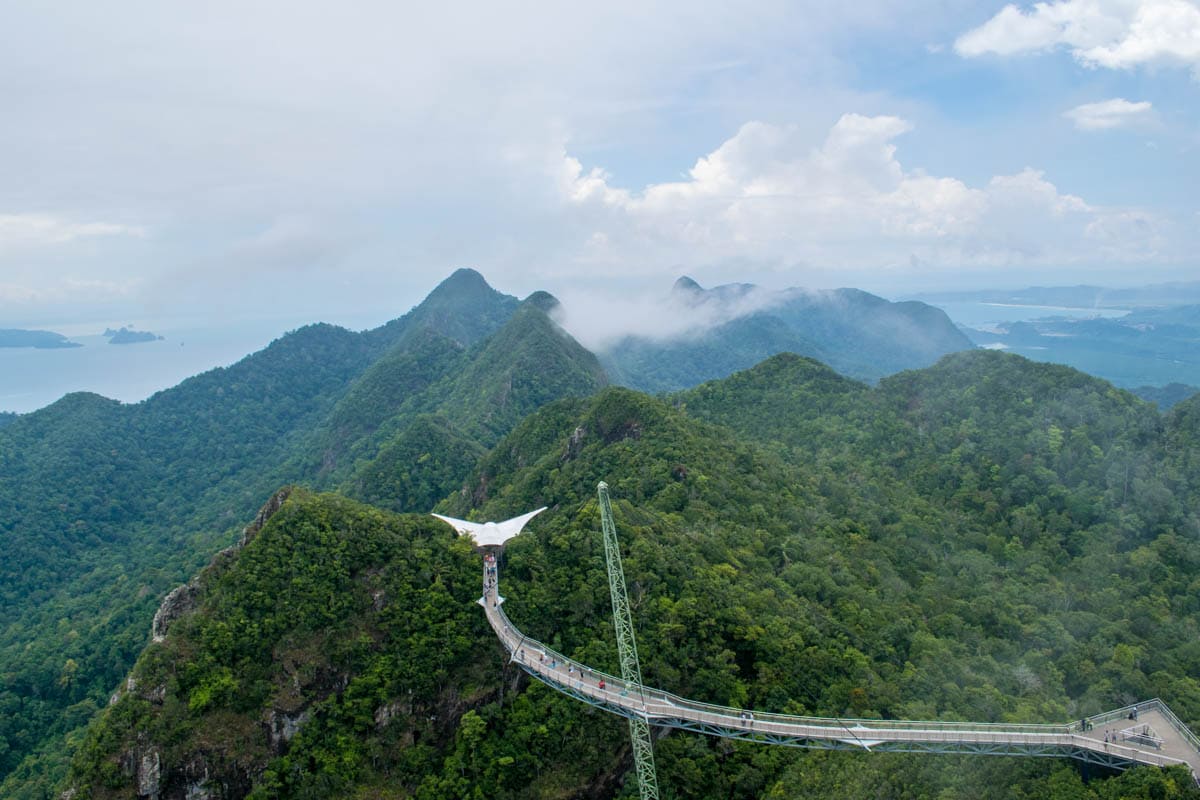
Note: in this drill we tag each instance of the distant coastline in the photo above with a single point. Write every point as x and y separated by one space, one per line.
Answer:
1075 298
41 340
1109 309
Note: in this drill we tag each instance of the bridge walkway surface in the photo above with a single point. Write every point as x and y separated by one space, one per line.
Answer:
1144 733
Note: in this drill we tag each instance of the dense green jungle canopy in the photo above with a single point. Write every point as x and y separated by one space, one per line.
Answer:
985 539
962 557
107 506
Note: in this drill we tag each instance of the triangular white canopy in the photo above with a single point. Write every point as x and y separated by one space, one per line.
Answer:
490 533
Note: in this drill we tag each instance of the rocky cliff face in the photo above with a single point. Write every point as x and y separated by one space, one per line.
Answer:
264 514
178 602
319 617
199 775
183 599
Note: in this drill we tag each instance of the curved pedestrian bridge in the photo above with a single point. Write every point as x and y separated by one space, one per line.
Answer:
1145 733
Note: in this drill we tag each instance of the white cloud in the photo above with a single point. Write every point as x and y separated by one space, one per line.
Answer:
754 193
767 195
599 318
1115 113
44 229
1116 34
347 159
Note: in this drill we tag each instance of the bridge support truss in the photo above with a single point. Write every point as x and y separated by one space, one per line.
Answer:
631 668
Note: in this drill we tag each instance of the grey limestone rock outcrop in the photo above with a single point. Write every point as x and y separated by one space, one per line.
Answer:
198 791
575 444
149 774
180 601
281 728
184 599
265 513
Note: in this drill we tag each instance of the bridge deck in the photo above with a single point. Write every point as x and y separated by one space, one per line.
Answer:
1146 733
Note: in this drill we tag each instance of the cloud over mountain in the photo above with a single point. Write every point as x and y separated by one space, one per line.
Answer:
767 193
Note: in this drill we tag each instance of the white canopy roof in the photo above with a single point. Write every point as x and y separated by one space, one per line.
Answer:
490 533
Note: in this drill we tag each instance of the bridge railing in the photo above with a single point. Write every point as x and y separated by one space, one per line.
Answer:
582 681
656 703
1104 718
514 639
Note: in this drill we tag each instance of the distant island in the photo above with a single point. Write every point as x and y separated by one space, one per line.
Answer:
45 340
130 336
1150 347
1156 295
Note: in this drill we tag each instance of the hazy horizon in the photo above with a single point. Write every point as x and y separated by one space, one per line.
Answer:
34 378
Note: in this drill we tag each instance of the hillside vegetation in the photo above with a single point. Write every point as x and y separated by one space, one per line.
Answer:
108 506
988 539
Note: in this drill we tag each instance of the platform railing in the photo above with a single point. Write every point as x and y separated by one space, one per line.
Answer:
1175 722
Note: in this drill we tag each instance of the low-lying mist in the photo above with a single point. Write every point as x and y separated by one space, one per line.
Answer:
600 320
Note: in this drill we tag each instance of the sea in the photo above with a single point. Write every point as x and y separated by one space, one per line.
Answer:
33 378
986 316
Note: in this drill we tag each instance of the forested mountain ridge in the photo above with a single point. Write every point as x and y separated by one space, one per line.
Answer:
1165 397
928 548
857 333
654 365
528 363
113 504
108 505
325 588
222 424
478 393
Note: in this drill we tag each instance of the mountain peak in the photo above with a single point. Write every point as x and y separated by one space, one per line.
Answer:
463 281
686 284
463 307
542 300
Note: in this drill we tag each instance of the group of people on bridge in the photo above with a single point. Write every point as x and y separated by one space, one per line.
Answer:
489 573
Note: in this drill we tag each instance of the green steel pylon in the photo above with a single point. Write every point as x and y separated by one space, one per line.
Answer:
631 669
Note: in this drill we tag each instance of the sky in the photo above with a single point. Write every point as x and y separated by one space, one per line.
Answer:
231 161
